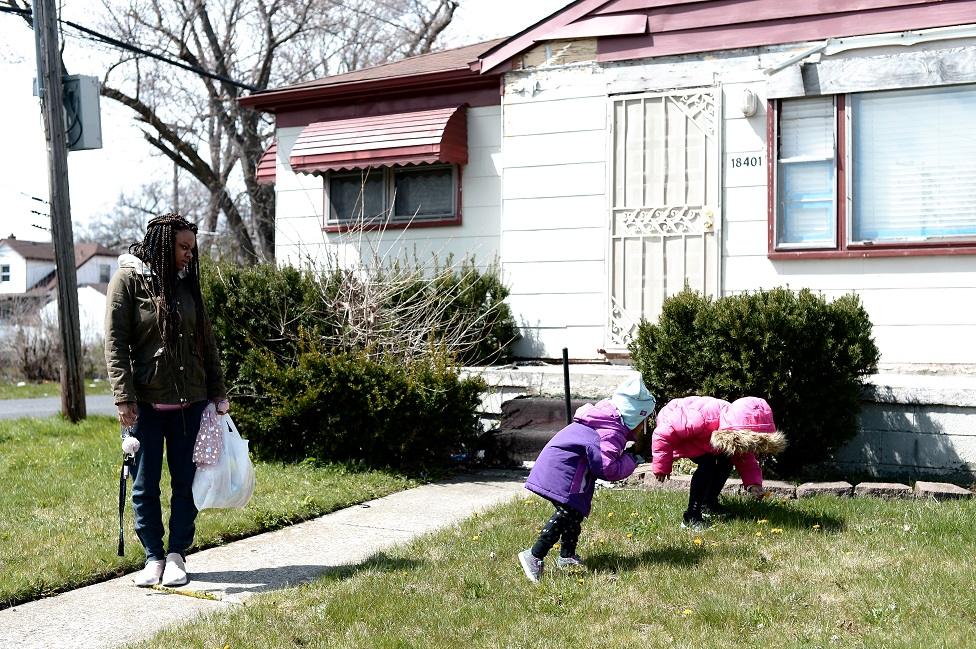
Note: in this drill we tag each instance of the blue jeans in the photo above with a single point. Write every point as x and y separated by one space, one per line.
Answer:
179 429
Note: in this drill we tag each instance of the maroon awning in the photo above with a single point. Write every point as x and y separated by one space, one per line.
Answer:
423 136
265 172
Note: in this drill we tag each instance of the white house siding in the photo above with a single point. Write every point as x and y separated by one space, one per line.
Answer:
300 240
18 271
88 272
23 273
554 225
555 212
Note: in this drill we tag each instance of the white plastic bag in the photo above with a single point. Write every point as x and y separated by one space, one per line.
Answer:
229 483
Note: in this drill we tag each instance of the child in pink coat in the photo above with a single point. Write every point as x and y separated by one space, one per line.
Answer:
716 435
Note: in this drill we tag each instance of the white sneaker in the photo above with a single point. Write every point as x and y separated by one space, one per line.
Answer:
149 576
569 562
175 572
530 565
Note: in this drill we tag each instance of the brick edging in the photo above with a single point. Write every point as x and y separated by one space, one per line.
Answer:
644 478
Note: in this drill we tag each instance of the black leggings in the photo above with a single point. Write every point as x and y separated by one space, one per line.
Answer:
565 525
708 479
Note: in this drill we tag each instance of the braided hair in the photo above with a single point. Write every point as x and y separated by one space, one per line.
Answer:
157 250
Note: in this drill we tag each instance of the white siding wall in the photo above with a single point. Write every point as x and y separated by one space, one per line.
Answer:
23 274
300 204
88 272
554 222
18 271
37 270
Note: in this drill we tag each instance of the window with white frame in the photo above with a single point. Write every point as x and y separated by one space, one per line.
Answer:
5 273
889 169
394 195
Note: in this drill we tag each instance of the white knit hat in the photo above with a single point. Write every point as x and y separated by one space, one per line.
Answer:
633 401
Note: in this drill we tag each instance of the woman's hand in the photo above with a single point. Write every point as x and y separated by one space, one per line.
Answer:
661 477
128 413
222 406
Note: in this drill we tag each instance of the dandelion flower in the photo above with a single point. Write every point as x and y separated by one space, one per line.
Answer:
475 537
763 521
579 581
630 535
698 540
686 612
758 533
609 514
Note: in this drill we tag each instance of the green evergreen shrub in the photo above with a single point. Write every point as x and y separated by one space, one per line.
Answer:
259 307
320 364
349 406
804 355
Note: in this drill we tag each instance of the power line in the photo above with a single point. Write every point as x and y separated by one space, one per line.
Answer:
132 48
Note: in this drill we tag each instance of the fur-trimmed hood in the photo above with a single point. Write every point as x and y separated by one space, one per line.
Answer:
746 426
733 441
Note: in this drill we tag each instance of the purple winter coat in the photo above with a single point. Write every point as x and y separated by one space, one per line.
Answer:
591 447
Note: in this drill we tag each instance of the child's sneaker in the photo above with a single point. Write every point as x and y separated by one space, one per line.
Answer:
569 562
693 521
530 565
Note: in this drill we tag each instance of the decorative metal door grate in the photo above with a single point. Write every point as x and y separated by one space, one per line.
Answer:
664 178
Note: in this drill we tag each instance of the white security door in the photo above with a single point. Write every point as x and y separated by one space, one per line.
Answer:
664 204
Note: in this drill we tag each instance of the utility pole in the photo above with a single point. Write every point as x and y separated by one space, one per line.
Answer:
49 89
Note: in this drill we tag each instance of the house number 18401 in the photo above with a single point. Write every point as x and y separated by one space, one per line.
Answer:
746 161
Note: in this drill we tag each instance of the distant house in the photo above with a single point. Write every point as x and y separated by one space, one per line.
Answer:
28 266
619 150
24 264
28 281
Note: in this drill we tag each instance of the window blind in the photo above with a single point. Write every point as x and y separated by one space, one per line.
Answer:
914 164
806 214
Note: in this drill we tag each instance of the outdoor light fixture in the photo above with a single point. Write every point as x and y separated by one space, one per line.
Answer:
750 103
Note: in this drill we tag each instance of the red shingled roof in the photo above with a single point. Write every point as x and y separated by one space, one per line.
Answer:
444 70
35 250
44 250
443 61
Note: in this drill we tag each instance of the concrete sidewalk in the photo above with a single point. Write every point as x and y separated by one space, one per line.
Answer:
115 612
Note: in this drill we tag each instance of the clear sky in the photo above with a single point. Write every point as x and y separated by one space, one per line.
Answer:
97 177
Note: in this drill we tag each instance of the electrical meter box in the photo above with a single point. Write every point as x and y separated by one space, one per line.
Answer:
82 114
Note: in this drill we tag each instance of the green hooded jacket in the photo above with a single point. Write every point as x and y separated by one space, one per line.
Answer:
139 367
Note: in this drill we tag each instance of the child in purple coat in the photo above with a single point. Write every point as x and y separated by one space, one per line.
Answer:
590 448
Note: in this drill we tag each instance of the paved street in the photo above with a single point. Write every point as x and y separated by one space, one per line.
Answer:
101 404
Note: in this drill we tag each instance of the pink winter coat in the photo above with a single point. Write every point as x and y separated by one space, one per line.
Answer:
684 429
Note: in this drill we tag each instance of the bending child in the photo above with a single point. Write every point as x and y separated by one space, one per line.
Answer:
716 435
590 448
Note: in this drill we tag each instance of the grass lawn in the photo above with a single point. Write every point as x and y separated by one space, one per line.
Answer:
11 389
822 572
59 486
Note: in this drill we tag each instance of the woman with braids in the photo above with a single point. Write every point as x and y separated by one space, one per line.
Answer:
164 368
